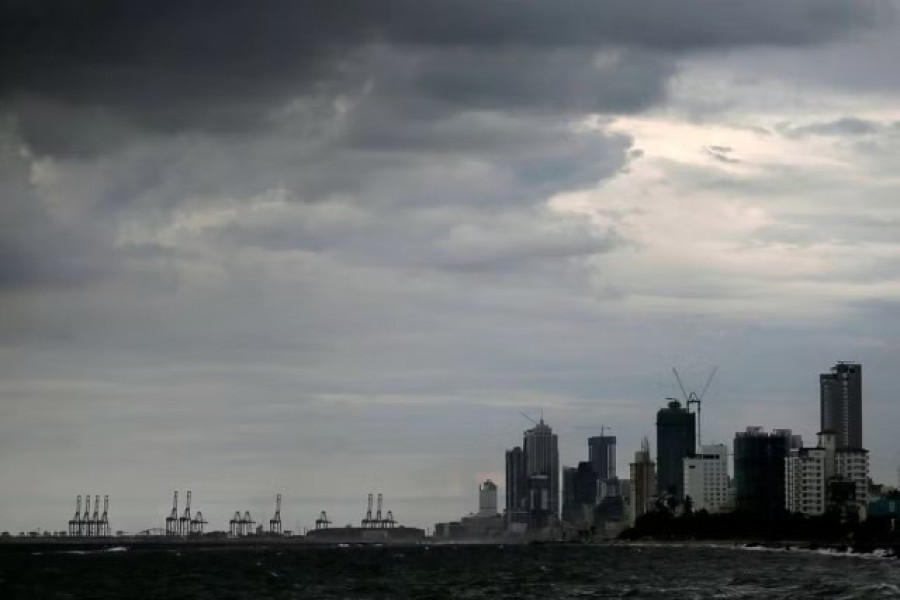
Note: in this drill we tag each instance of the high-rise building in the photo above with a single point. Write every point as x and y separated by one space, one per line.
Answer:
841 404
602 455
676 436
487 499
580 493
516 488
851 465
759 469
826 478
541 450
643 482
706 478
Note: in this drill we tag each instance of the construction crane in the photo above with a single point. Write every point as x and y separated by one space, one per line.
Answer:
695 398
602 428
275 522
524 414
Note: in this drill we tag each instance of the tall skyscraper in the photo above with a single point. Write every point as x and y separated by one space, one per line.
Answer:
676 436
602 454
580 493
516 488
642 482
841 404
541 449
759 466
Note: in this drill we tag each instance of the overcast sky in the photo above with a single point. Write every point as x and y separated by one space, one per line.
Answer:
329 247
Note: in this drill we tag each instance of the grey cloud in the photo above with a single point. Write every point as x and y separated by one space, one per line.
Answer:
721 154
843 127
36 250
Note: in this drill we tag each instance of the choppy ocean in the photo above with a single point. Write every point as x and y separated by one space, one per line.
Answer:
464 571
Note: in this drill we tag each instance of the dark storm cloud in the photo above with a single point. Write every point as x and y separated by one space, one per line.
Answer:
223 66
35 251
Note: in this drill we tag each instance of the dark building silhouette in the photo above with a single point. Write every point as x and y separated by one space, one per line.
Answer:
759 469
841 404
541 450
516 489
580 487
676 436
602 454
532 479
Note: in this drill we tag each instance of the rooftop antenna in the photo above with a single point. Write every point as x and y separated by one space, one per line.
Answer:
695 398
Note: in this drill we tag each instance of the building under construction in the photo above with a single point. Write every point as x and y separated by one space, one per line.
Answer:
379 526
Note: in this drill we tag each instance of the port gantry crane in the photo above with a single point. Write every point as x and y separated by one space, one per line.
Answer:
184 522
104 520
322 522
75 521
368 520
95 516
172 519
695 398
87 527
275 522
378 520
198 523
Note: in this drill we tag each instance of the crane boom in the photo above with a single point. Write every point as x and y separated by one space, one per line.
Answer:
708 381
681 385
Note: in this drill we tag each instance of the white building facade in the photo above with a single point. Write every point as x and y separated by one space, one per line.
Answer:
706 479
487 499
805 472
852 464
810 472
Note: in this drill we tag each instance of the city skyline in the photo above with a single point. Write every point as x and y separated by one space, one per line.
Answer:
330 248
541 443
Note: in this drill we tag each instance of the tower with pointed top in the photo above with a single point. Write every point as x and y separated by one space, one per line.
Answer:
541 455
642 482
